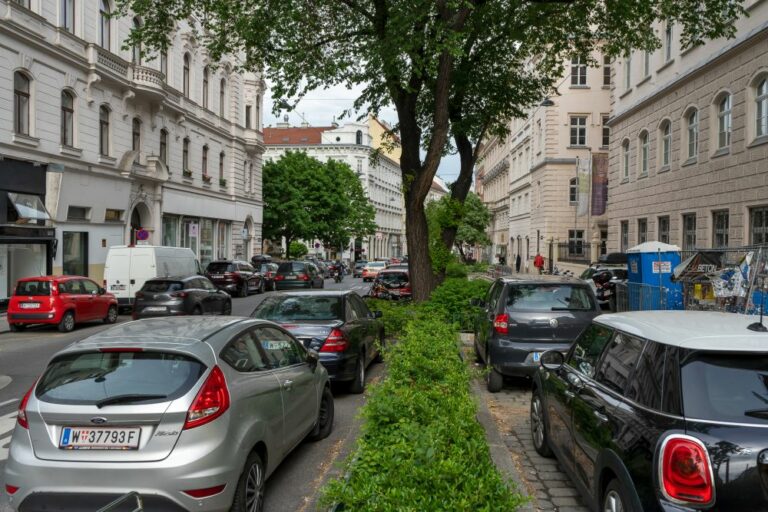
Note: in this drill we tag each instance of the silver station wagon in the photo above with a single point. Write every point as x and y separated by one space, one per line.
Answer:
192 413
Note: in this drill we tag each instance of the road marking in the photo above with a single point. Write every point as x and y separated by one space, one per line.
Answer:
9 401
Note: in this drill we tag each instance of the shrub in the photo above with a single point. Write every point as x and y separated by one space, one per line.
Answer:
456 270
394 315
297 250
451 301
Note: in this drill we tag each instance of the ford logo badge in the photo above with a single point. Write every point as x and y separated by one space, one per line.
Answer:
98 420
553 322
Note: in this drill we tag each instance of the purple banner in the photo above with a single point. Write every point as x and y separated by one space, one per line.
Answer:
599 183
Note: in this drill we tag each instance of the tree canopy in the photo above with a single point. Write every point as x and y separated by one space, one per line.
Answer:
469 219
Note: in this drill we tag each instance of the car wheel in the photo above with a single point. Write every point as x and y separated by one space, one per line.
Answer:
67 323
17 327
249 495
494 380
243 290
324 423
111 315
616 498
227 310
539 426
261 286
197 310
357 385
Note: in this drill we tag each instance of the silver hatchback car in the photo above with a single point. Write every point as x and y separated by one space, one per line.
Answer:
192 413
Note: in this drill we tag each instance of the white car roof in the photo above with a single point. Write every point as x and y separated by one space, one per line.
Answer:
697 330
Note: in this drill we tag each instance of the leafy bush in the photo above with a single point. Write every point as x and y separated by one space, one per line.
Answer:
450 301
456 270
394 315
297 250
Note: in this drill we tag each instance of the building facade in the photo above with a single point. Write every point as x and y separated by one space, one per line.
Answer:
162 150
690 141
493 189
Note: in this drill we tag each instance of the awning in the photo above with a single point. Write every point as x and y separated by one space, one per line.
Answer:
698 265
28 207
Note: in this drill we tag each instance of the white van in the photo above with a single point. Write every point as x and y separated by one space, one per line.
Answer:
128 268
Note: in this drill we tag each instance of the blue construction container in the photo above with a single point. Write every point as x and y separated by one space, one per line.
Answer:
649 282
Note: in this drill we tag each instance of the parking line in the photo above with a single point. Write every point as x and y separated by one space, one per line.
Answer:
9 401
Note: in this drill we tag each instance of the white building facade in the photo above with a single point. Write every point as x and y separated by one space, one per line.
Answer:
164 151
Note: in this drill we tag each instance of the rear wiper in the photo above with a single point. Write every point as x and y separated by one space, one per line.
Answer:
757 413
123 399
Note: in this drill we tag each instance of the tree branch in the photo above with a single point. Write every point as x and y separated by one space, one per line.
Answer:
358 9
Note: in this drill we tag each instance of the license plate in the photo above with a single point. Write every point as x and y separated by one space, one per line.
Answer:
290 277
117 287
155 308
88 438
217 276
536 357
30 305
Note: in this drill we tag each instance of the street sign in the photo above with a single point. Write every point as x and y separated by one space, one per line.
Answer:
142 234
317 245
193 229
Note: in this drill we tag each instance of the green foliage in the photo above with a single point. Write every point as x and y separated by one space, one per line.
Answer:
297 250
394 314
470 220
450 301
475 220
456 270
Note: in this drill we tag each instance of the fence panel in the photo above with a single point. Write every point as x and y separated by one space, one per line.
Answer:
574 252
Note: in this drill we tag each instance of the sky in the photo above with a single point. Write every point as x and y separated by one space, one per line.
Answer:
319 107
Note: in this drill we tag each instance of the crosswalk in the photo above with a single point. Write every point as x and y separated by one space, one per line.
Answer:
7 423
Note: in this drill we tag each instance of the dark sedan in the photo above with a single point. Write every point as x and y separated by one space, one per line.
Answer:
268 272
191 295
337 324
235 277
298 274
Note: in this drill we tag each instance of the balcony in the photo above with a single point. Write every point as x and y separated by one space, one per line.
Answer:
148 83
106 63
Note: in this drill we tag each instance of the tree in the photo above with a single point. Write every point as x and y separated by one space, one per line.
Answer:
452 69
474 222
296 250
469 220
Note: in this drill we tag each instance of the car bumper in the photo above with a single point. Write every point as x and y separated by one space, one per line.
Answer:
340 367
290 285
41 317
170 310
518 359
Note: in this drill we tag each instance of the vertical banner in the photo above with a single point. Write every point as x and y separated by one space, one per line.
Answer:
583 173
599 183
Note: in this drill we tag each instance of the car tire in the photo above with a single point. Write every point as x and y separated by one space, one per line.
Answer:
197 310
478 357
616 498
249 494
67 322
17 327
227 309
261 286
357 385
324 424
539 434
494 380
111 315
242 291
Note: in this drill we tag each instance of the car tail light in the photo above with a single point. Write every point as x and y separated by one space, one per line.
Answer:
279 277
179 295
335 342
304 277
204 493
501 323
11 489
21 418
685 472
211 401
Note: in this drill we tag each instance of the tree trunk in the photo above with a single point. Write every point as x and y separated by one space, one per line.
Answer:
423 281
460 247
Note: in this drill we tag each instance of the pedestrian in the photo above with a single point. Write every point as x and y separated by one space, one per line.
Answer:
518 262
538 262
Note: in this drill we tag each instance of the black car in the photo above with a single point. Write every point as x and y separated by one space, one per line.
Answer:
190 295
235 277
268 272
522 317
659 411
336 324
298 274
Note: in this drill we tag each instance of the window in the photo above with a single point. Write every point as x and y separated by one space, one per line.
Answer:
724 122
606 71
136 48
578 131
646 63
68 15
164 146
185 155
78 213
645 386
75 253
112 215
21 95
642 231
359 138
280 348
221 165
720 229
664 229
644 149
104 130
624 235
578 72
164 64
693 134
258 112
105 33
618 362
689 231
625 159
762 108
628 71
67 118
606 132
243 353
668 43
185 84
222 240
250 177
222 98
545 297
758 223
666 143
539 137
573 190
587 349
206 72
248 116
136 136
205 160
575 242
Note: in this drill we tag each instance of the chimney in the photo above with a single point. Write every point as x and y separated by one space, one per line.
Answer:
284 124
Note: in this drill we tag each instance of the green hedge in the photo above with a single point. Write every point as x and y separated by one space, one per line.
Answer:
421 446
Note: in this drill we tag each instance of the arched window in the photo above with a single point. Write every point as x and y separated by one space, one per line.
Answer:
136 136
221 166
223 98
625 159
762 108
573 190
68 15
205 161
164 146
692 121
136 48
104 130
666 143
724 122
21 101
359 137
206 72
67 118
105 32
644 151
185 156
185 84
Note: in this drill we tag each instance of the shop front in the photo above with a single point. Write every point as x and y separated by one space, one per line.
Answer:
209 239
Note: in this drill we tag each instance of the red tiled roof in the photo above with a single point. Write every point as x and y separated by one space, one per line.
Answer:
308 135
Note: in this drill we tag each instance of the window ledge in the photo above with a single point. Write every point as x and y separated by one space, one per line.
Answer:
579 87
626 92
579 147
606 87
603 148
645 79
625 180
70 151
721 152
666 65
690 161
758 141
664 168
642 175
20 138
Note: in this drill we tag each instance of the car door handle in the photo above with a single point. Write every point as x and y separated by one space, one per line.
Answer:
600 416
288 384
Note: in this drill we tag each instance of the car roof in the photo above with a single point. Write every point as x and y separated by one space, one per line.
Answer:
390 270
542 279
176 330
317 293
695 330
52 278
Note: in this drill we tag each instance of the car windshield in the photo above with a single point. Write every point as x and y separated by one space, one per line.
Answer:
220 266
725 387
33 288
305 308
265 268
377 264
162 286
291 266
92 377
393 279
548 297
360 264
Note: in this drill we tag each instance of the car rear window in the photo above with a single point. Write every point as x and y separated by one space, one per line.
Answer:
377 264
90 377
306 308
220 266
548 297
393 278
162 286
33 288
291 266
725 387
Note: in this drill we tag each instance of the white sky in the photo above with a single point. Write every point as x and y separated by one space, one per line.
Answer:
320 106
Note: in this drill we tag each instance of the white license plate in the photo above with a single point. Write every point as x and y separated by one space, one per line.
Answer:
536 357
216 276
30 305
155 309
290 277
117 287
88 438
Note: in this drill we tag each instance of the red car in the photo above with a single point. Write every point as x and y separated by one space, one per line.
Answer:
391 284
59 300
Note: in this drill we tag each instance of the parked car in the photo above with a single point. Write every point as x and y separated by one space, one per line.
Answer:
298 274
391 284
522 317
268 272
358 270
190 295
235 277
659 411
372 268
259 259
62 301
337 324
196 423
321 267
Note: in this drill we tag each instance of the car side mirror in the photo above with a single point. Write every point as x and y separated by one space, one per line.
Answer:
102 291
313 358
477 302
376 314
552 360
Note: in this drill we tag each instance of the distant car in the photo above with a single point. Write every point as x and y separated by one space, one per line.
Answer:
338 324
190 295
268 272
358 270
260 259
193 413
298 274
321 267
62 301
523 317
659 411
372 268
235 277
391 284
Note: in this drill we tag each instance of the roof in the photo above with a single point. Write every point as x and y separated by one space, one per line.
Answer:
698 330
295 135
654 247
184 330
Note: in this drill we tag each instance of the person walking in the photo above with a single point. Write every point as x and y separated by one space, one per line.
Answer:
538 262
518 262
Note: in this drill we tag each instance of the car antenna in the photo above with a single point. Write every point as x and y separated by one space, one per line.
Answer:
758 326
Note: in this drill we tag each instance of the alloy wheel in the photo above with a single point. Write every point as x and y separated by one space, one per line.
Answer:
69 322
323 416
537 422
612 502
254 489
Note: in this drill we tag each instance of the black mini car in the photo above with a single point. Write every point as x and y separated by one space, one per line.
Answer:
659 411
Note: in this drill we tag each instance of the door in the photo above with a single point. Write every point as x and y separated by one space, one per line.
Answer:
84 301
200 293
356 328
142 267
213 299
486 318
98 303
371 324
246 274
297 380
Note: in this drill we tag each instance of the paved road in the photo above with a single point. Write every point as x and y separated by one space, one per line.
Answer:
293 487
